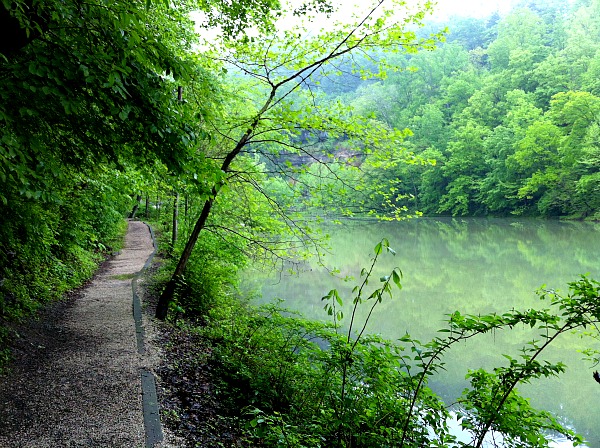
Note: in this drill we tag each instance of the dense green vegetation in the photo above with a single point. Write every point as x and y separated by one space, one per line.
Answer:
508 107
89 117
308 384
240 143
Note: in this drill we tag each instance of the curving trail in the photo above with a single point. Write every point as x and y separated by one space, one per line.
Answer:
79 383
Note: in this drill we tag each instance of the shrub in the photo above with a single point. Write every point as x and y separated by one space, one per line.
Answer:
305 384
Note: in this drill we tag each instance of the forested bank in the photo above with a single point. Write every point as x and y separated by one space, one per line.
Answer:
507 107
239 143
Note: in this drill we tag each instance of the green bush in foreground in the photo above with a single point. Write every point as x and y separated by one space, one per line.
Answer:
307 384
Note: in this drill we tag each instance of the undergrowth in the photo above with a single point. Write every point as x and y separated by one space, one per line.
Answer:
301 383
39 264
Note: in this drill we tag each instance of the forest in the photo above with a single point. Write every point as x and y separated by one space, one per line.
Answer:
506 107
236 135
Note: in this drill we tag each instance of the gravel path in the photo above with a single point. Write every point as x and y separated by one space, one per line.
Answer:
78 382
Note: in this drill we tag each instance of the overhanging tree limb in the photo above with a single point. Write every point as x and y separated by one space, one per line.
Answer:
349 40
166 297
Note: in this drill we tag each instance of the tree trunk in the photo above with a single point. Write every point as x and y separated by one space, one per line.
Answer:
162 307
146 213
136 206
175 220
157 207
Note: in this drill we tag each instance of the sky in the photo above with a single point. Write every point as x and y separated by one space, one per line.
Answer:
472 8
443 10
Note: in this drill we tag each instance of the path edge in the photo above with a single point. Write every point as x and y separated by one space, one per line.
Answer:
152 425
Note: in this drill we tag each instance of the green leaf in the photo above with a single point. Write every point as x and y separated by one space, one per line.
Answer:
338 299
396 275
378 249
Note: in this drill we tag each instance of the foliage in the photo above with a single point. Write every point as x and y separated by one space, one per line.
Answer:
87 101
508 106
305 383
48 249
211 274
92 111
277 113
103 104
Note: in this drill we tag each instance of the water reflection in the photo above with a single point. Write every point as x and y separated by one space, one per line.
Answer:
471 265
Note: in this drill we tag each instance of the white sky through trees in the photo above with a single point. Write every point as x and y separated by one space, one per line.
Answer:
472 8
443 10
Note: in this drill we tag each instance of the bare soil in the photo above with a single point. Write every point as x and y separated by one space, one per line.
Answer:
192 396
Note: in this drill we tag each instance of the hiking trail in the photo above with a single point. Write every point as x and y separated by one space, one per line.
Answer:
84 379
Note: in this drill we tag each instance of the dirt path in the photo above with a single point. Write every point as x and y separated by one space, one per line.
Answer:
80 382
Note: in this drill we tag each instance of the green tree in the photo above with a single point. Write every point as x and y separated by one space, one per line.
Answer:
92 110
499 188
280 65
577 114
456 91
536 160
470 33
522 30
465 169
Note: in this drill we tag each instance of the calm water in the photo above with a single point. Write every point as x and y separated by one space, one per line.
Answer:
475 266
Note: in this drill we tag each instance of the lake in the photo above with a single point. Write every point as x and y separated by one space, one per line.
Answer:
474 266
